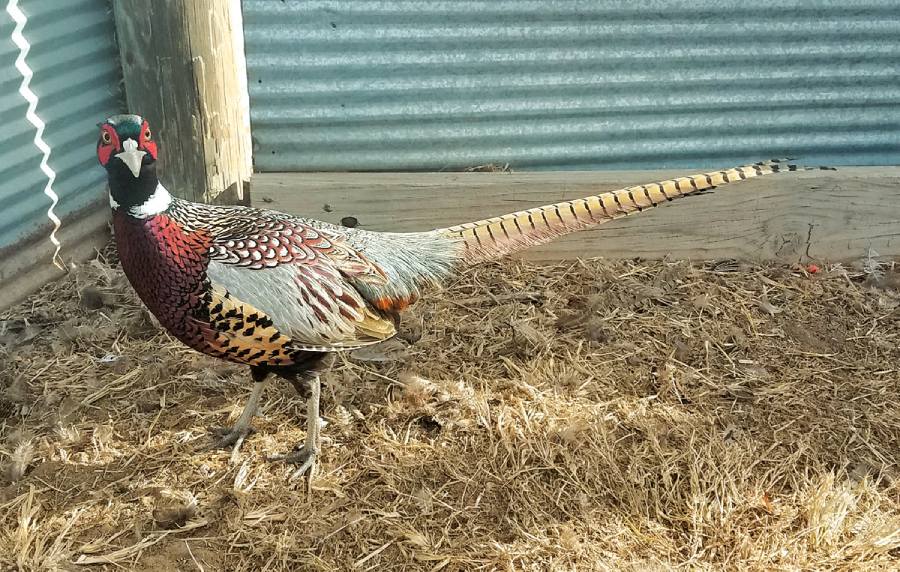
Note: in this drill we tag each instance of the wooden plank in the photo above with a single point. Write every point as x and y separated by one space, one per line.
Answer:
822 215
184 69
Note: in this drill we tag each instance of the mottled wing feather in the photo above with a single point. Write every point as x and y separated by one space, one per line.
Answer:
298 275
271 241
242 333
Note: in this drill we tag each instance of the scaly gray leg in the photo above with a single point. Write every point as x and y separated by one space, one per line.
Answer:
236 435
306 456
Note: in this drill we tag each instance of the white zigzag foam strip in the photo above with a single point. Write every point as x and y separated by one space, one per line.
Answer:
12 7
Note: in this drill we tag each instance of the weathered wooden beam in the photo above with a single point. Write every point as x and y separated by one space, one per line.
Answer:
823 215
184 68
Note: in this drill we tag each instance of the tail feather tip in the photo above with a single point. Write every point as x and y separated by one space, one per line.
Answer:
784 164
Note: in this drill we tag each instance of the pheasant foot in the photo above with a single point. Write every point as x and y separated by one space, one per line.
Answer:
306 455
228 436
235 436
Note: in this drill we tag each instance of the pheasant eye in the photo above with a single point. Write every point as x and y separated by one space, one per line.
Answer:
147 135
106 137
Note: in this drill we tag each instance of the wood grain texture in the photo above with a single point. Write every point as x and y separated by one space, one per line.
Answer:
184 69
789 217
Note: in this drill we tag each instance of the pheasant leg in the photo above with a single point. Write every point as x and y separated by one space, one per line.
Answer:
236 435
305 457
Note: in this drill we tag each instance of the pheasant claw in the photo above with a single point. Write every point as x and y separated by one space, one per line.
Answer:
306 459
227 437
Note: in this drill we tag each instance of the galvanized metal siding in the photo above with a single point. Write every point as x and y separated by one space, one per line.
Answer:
397 85
76 77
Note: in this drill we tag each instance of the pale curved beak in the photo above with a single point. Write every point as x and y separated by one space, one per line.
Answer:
132 157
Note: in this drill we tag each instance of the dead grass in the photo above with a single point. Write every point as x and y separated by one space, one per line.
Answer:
586 416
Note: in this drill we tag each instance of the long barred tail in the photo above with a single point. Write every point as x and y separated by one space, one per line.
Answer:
498 236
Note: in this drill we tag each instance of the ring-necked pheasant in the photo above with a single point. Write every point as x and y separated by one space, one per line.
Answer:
279 293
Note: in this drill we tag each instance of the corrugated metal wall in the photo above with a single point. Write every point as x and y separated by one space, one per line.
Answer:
76 77
543 84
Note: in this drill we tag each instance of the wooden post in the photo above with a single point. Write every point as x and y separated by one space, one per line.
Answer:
185 72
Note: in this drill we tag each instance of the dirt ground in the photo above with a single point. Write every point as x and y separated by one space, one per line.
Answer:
592 415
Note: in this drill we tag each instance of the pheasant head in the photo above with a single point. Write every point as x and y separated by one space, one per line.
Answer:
128 152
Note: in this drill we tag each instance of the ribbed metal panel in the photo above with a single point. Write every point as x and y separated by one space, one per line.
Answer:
76 77
541 84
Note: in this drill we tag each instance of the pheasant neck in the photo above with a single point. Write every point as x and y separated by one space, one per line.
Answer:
139 197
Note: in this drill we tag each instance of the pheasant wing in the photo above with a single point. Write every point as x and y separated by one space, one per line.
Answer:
300 277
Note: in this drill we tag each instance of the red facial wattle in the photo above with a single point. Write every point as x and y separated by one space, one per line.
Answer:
145 143
109 142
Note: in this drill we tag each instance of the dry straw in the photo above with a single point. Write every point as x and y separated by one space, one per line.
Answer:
592 415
